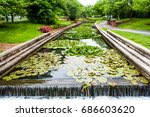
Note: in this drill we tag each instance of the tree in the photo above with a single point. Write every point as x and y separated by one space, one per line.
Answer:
142 7
74 9
88 11
98 8
123 8
48 11
12 8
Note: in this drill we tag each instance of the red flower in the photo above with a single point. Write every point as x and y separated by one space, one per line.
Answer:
45 29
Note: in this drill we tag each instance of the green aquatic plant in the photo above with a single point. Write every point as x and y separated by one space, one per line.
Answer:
84 50
105 69
120 67
63 44
36 65
89 73
85 31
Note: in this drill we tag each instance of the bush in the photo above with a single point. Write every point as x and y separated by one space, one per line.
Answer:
45 29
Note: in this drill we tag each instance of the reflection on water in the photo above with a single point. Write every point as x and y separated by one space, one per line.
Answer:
98 42
90 42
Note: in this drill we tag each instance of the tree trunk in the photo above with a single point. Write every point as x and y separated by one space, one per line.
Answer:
131 11
118 16
12 17
7 20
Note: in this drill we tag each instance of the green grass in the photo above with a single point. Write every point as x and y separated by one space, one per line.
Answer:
61 23
122 20
99 21
138 38
19 32
138 23
105 29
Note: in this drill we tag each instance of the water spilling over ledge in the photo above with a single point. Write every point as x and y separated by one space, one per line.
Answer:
93 91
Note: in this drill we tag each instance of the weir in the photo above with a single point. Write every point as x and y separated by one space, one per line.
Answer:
72 91
56 84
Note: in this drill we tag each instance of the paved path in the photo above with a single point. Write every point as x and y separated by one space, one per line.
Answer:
104 25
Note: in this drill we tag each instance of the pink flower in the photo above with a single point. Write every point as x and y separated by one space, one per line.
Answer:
45 29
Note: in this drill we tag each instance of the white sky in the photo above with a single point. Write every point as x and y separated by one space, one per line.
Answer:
87 2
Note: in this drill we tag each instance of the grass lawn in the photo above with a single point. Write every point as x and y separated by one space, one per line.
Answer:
99 21
63 23
137 23
19 32
138 38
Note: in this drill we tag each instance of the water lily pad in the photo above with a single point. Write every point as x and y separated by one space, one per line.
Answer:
38 64
7 78
134 82
102 80
113 84
63 44
144 80
128 77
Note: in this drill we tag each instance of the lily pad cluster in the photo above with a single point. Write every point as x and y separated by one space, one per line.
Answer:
36 65
120 67
104 69
84 50
84 31
63 44
89 72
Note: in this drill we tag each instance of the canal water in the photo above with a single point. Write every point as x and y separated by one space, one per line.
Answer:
79 64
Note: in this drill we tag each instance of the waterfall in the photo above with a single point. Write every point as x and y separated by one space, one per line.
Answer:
93 91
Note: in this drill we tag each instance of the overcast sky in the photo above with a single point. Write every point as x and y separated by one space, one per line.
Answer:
87 2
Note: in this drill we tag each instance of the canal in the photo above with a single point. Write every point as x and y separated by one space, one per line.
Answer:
78 63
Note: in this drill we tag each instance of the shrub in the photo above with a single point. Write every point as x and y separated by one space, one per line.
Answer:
45 29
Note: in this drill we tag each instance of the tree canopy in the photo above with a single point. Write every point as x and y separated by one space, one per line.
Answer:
12 8
48 11
123 8
40 11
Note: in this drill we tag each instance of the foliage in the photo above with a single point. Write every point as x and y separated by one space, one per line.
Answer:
63 44
105 69
35 65
40 11
45 29
142 7
12 8
84 50
87 11
122 8
84 31
119 66
48 11
89 71
74 9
